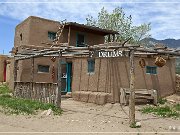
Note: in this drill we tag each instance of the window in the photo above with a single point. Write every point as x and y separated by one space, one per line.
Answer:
21 36
80 41
151 70
52 35
91 65
43 68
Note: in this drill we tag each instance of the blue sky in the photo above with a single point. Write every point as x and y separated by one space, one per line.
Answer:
163 15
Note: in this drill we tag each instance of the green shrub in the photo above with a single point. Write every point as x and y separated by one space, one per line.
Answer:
25 106
164 111
177 107
4 89
162 101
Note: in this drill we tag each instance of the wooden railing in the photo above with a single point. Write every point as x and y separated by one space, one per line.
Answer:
44 92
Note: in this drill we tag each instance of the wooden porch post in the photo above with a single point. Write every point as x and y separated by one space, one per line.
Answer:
32 77
132 93
15 74
69 35
113 37
58 90
109 38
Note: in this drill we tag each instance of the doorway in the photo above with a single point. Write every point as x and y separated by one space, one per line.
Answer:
80 40
66 77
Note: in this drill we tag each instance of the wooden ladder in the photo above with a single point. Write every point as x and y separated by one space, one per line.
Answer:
59 33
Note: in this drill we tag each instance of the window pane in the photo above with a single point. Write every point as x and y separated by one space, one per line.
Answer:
151 70
91 65
80 40
51 35
43 69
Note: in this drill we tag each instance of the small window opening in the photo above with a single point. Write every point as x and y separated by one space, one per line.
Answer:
43 68
91 65
21 36
52 35
151 69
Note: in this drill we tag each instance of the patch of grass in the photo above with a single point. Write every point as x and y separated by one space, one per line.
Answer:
24 106
4 89
164 111
177 107
13 105
162 101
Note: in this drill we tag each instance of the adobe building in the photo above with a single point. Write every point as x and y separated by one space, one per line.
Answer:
97 80
39 32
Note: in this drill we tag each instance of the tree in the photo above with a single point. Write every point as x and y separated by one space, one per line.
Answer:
119 22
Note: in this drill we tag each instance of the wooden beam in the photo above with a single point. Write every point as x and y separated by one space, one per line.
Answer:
159 52
37 55
109 38
126 41
113 37
32 75
132 93
69 49
58 90
69 35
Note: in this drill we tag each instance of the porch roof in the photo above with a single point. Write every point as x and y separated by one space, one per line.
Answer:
92 29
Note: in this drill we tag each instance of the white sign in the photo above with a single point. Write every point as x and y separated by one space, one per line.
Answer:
109 54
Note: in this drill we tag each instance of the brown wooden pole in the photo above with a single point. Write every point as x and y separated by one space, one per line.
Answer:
32 77
58 90
132 93
109 38
15 75
113 37
69 35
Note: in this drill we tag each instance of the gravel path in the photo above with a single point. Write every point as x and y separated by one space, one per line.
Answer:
85 118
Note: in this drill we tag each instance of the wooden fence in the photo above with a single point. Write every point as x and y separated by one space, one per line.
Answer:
44 92
177 83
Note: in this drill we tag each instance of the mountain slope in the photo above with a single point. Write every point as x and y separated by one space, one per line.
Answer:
172 43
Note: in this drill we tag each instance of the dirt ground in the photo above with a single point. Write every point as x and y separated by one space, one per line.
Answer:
86 118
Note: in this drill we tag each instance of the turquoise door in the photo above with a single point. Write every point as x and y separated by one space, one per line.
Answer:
68 79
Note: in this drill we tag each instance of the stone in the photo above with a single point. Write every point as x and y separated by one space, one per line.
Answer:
101 98
49 112
44 112
84 96
92 97
138 124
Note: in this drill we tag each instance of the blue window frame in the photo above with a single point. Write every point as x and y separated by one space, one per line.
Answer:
151 70
51 35
91 65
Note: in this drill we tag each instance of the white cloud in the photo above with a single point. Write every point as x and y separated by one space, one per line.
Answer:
164 16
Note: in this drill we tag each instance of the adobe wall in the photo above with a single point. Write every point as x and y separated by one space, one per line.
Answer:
24 29
39 30
8 71
25 69
2 59
113 73
90 38
35 30
11 79
40 27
